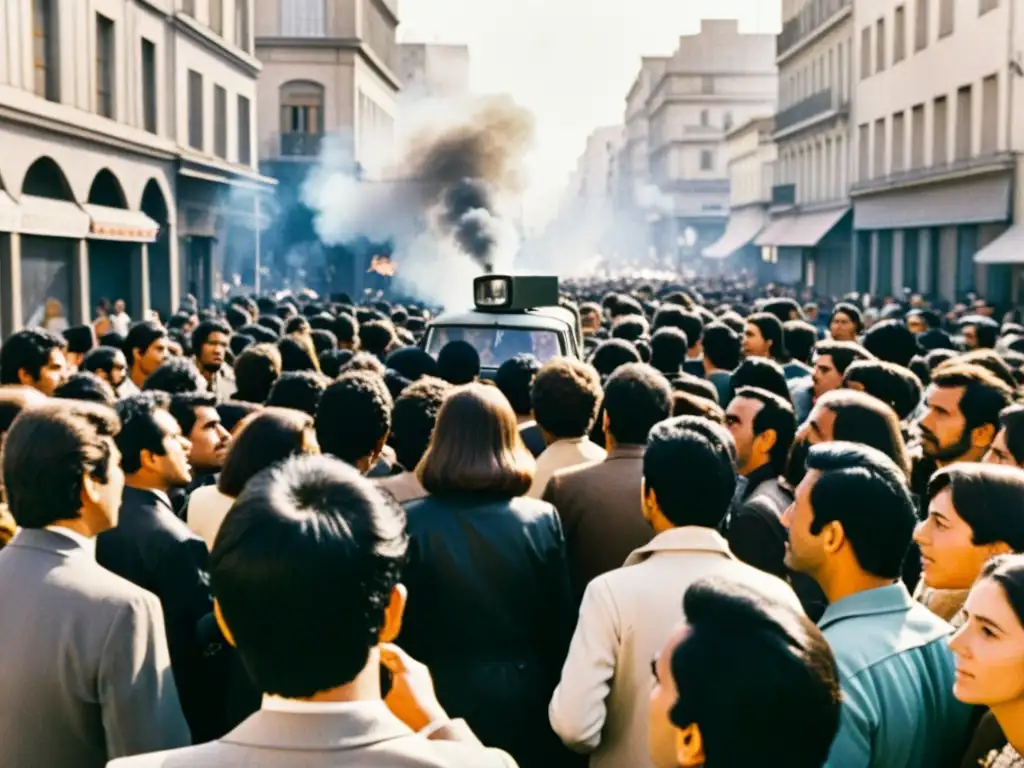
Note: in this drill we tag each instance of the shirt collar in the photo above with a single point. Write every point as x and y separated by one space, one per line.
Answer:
690 538
893 598
87 544
295 706
758 476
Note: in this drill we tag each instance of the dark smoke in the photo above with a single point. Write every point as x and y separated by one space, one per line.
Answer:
467 211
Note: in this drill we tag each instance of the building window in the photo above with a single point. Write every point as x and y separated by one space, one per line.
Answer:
727 121
217 16
921 25
220 122
879 153
303 18
964 118
880 45
705 118
149 86
899 142
947 17
242 24
302 107
195 110
707 84
865 53
864 152
44 49
984 6
707 160
917 136
990 114
899 35
244 131
940 132
104 66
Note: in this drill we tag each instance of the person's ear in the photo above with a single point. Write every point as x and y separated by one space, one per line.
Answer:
605 422
764 442
393 614
24 378
223 625
91 491
834 537
689 746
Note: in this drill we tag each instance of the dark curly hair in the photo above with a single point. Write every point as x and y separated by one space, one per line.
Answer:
566 394
414 418
354 416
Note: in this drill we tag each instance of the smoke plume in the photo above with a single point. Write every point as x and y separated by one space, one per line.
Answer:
439 198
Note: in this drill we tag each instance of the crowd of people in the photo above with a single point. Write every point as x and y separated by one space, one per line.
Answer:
742 531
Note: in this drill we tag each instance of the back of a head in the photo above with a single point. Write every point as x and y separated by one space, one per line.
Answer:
308 534
866 420
894 385
687 321
412 363
668 350
414 417
256 370
688 404
376 337
176 376
800 337
515 379
866 493
636 397
749 666
354 416
13 400
630 327
762 373
265 438
613 353
566 394
689 466
992 362
458 363
722 346
784 309
87 386
48 450
300 390
297 354
891 340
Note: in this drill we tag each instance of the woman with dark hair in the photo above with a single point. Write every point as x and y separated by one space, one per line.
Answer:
989 651
263 439
846 323
1008 445
975 511
490 608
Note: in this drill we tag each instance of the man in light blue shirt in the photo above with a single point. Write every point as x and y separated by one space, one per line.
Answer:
849 529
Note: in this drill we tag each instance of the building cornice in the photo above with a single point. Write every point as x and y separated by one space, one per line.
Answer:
709 98
242 61
353 44
843 14
998 162
826 119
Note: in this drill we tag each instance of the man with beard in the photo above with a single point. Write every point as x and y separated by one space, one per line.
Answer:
210 346
109 364
152 548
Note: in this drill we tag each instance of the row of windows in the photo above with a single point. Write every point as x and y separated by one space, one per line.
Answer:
883 54
829 70
196 120
242 38
887 138
816 168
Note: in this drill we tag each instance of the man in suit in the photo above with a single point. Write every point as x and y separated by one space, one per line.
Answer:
86 675
600 503
601 705
152 547
305 572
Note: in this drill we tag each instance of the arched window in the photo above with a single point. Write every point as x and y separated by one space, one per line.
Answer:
302 107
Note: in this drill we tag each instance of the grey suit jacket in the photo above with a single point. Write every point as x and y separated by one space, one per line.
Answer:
361 734
85 673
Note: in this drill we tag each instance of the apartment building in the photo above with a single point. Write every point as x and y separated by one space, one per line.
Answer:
750 157
809 237
935 150
433 70
716 79
127 133
329 80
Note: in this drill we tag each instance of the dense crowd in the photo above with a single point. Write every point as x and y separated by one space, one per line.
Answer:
742 531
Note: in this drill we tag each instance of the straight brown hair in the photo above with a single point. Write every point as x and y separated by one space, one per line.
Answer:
476 447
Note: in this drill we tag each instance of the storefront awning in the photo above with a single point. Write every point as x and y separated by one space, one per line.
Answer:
120 224
743 227
48 217
966 201
1008 248
10 215
800 230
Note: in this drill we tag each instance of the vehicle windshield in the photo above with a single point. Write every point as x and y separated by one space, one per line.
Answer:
496 345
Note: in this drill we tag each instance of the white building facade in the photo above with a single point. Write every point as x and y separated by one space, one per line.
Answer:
935 152
809 238
433 70
128 133
716 80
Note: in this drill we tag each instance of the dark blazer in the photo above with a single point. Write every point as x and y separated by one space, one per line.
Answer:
601 512
154 549
490 612
363 734
85 675
532 438
754 528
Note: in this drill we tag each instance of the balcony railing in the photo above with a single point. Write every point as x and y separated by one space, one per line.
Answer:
806 22
814 105
300 144
784 194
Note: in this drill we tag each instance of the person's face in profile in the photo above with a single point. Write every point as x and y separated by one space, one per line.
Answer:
1000 453
209 441
805 551
754 343
825 376
154 356
663 738
53 373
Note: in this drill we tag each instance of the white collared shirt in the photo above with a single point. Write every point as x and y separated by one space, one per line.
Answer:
86 543
295 706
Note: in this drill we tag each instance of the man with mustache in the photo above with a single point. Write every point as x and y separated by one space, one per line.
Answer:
210 342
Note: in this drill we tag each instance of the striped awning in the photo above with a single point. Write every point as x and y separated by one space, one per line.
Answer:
743 226
106 223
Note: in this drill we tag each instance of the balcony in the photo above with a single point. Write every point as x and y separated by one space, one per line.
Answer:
809 21
301 144
783 195
814 106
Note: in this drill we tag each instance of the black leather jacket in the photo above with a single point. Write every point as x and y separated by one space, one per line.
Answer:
490 612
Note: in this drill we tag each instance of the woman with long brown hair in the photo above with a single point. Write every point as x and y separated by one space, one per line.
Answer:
490 610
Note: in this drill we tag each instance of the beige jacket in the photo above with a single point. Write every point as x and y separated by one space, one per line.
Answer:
563 454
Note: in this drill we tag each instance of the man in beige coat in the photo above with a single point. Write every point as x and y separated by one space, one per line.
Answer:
600 707
305 573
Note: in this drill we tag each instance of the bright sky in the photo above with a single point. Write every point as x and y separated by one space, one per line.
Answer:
571 62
